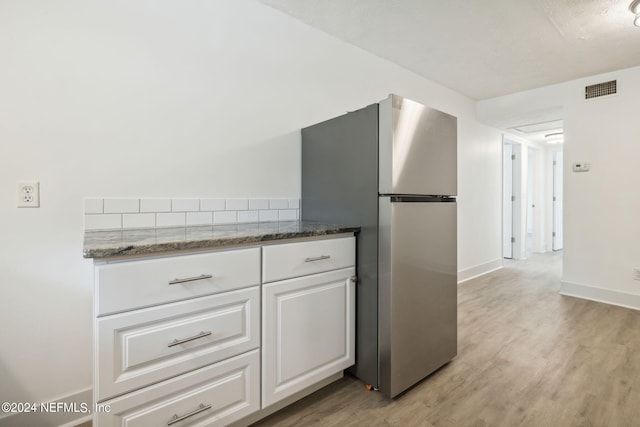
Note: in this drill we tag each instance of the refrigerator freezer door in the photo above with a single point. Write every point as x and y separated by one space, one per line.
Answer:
418 291
418 149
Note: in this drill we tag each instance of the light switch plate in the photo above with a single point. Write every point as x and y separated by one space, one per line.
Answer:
581 167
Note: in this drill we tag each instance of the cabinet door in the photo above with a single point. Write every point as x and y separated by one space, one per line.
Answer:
307 331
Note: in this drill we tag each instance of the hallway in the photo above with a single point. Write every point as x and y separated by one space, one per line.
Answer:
527 356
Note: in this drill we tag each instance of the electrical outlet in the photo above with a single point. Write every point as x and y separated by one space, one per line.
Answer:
28 194
636 273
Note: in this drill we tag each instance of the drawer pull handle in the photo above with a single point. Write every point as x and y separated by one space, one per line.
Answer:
177 418
202 334
318 258
190 279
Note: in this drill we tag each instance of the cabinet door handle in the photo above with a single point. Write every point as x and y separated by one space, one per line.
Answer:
190 279
318 258
202 334
177 418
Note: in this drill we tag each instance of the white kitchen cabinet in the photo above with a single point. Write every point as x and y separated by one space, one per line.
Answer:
308 322
177 339
216 338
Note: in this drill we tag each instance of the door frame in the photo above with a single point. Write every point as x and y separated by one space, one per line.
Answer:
555 218
515 197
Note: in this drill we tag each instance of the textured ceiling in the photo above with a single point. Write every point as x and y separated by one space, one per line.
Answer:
483 48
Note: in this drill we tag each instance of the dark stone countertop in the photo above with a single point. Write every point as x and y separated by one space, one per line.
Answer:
104 244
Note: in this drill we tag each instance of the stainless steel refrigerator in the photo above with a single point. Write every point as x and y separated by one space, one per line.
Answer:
391 168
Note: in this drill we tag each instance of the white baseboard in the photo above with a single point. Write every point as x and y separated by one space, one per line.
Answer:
479 270
606 296
54 419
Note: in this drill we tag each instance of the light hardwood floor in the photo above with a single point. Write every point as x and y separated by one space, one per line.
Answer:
527 356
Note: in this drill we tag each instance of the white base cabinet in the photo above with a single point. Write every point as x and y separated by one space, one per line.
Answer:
307 331
179 339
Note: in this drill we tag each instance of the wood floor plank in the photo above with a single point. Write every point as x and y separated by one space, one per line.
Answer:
527 356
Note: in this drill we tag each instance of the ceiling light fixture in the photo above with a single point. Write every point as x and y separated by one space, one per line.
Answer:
633 7
555 138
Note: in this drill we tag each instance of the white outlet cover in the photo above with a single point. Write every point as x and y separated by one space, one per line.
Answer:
28 194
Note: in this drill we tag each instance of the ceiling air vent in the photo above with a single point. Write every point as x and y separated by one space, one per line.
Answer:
600 89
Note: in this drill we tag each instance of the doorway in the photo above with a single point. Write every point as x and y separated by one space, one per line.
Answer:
531 226
556 234
510 198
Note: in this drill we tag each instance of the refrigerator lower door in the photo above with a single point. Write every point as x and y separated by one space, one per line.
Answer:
417 289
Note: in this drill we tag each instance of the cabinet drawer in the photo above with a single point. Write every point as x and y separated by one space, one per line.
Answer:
300 259
142 347
212 396
133 284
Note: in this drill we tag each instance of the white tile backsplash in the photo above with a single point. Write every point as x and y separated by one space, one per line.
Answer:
185 205
278 203
141 220
123 213
155 205
248 216
287 215
121 205
93 206
199 218
173 219
294 203
103 222
237 204
225 217
258 204
268 215
212 204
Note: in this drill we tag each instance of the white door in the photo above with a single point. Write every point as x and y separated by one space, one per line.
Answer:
531 206
557 201
507 201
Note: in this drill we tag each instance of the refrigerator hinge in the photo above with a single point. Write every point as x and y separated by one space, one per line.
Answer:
554 198
553 234
513 240
513 157
513 198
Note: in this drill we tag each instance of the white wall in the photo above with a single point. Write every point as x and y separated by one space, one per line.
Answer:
601 207
480 199
166 98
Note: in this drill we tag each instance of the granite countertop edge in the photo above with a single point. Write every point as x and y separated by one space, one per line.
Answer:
116 243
